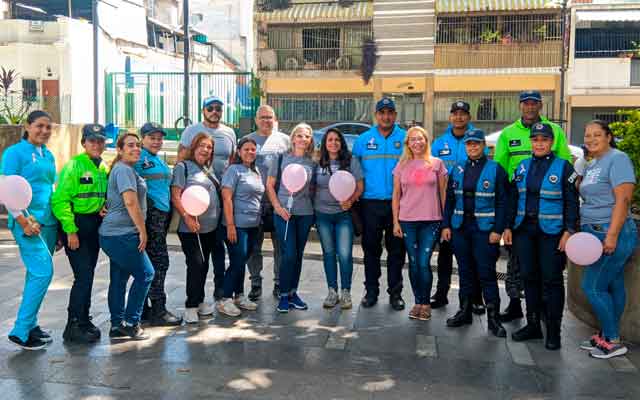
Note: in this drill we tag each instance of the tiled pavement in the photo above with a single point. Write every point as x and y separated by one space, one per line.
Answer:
317 354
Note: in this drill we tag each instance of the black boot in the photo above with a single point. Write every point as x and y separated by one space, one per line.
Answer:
512 312
493 321
463 316
395 298
530 331
255 293
552 340
146 312
76 333
439 299
91 328
161 317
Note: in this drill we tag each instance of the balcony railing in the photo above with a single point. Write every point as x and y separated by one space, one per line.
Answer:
494 55
601 43
316 59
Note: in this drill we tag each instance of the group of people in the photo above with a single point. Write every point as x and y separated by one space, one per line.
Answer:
411 194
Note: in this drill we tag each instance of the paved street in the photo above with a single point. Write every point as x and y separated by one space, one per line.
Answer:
318 354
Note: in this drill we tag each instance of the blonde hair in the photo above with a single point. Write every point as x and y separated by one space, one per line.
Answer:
309 150
407 154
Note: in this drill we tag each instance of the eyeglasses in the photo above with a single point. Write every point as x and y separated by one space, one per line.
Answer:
214 108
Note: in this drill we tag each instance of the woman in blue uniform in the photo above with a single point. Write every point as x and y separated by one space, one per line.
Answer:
475 217
31 159
543 210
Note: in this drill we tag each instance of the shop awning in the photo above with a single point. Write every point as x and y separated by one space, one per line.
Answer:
618 15
455 6
318 12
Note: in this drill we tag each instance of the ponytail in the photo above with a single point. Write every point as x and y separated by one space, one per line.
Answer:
32 117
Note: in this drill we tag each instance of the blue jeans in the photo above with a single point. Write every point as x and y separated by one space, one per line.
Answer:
292 249
39 266
336 235
238 256
419 239
127 261
603 281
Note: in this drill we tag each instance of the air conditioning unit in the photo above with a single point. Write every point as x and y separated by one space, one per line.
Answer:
36 26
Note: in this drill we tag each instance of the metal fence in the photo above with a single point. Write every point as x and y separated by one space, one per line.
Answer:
14 108
596 43
131 99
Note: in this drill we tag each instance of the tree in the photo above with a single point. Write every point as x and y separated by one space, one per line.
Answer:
13 106
628 133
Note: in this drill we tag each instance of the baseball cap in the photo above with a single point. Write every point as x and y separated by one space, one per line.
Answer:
530 95
460 105
151 127
541 129
385 102
210 100
473 135
93 131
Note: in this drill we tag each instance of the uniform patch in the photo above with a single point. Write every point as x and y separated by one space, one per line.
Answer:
444 152
515 142
147 164
486 184
553 178
573 177
371 144
397 145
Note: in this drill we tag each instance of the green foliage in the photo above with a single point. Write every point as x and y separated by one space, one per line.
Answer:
628 131
13 106
490 36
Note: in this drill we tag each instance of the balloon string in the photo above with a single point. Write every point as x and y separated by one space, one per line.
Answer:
41 239
200 245
289 204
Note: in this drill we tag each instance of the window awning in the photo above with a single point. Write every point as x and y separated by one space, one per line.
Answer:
454 6
618 15
318 12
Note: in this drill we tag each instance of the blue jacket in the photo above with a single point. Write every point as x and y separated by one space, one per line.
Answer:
485 197
378 157
551 206
450 149
158 177
38 167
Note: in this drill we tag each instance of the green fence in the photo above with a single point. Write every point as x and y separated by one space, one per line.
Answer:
131 99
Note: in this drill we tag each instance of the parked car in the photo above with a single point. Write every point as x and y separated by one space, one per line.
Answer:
350 130
492 139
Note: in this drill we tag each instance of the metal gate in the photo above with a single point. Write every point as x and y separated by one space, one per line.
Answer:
131 99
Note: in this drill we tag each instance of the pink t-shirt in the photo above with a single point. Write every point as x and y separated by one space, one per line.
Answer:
419 199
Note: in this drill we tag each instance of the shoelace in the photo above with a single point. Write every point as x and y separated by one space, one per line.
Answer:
605 345
596 338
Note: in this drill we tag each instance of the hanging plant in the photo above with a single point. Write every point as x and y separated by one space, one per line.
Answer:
369 59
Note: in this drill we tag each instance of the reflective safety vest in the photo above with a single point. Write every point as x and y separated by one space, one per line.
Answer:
484 196
550 209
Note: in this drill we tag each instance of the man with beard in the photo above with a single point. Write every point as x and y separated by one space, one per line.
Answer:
513 146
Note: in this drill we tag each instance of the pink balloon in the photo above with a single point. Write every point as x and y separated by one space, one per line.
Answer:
342 185
294 177
195 200
15 192
583 248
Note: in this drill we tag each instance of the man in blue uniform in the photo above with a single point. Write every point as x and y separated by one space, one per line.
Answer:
449 147
378 151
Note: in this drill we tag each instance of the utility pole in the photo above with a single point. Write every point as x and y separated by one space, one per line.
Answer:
94 19
563 65
70 7
187 44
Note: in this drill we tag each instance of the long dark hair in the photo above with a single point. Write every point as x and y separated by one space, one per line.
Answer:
236 156
604 125
344 155
32 117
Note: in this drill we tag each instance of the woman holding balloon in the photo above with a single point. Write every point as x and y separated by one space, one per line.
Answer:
200 215
339 184
542 215
289 187
123 237
419 192
606 188
242 191
27 196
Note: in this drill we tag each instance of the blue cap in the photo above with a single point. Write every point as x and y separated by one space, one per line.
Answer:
530 95
473 135
542 130
460 105
93 131
385 102
210 100
151 127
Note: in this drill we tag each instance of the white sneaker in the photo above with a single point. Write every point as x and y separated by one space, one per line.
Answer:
227 307
345 299
191 315
205 309
242 302
332 299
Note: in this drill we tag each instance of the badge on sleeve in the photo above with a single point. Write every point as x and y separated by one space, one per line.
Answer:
573 177
397 144
486 184
515 142
444 152
553 179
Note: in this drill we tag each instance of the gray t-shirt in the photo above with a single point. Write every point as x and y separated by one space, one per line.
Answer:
268 149
224 143
600 177
247 190
195 176
324 201
302 204
117 222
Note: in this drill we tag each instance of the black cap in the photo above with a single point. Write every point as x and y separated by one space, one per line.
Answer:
460 105
541 129
473 135
385 102
151 127
93 131
530 95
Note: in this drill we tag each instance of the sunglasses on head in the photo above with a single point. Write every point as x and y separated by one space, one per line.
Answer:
214 108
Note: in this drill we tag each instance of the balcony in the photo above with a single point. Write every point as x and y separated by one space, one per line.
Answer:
605 76
494 55
315 59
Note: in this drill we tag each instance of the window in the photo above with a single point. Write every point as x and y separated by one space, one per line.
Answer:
29 89
635 72
320 45
320 110
608 117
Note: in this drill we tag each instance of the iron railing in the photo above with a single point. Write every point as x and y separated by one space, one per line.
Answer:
597 43
340 59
